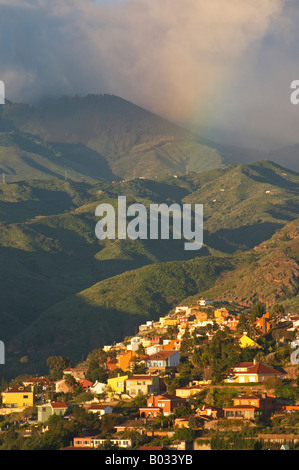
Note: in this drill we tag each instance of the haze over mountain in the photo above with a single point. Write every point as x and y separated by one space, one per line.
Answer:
105 137
95 135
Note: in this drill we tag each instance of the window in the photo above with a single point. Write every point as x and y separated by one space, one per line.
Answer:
25 396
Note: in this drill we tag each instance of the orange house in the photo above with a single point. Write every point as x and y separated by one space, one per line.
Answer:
124 359
161 404
250 406
111 364
262 324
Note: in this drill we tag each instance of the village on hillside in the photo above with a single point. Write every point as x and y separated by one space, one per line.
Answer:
207 376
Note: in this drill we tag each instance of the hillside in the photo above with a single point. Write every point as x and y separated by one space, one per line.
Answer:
268 274
24 156
50 252
113 308
80 131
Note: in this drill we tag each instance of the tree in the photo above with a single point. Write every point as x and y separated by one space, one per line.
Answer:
258 311
220 354
278 310
56 366
183 434
70 381
195 422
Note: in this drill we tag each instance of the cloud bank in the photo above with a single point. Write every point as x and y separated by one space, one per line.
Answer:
210 62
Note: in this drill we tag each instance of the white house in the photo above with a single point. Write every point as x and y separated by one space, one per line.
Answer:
163 359
98 387
135 343
99 408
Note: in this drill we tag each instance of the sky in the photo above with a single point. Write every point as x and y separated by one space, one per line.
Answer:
223 70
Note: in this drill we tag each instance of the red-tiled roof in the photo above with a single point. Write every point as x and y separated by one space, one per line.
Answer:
58 404
85 383
151 448
257 368
37 380
98 406
162 354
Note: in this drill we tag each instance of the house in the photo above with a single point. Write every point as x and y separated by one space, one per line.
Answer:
85 384
153 349
250 406
146 342
38 382
167 321
262 324
124 360
117 384
220 314
146 326
98 388
134 344
18 396
204 302
77 372
253 372
232 322
111 364
163 359
48 409
183 309
182 421
95 442
99 408
131 425
161 404
210 412
142 384
246 342
183 321
61 386
188 391
171 345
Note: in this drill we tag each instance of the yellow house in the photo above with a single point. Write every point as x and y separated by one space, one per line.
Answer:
256 372
166 321
141 384
146 343
246 342
18 396
117 384
221 313
186 392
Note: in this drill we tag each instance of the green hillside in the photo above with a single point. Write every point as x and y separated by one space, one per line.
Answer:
268 274
84 134
25 156
53 265
113 308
